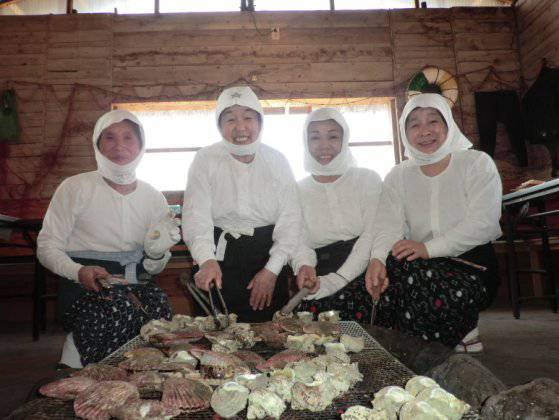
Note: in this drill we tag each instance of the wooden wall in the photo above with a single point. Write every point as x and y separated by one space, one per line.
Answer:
538 34
68 69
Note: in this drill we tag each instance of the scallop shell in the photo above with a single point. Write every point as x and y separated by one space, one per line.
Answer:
186 394
156 326
253 381
141 352
102 372
146 410
67 388
98 400
291 325
147 381
281 359
229 399
251 358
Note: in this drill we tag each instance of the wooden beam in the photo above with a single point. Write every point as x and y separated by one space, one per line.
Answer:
69 6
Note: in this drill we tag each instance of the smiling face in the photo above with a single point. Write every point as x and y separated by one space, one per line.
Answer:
325 140
239 125
426 129
120 142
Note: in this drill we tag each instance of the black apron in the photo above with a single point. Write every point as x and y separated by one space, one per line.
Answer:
244 257
353 301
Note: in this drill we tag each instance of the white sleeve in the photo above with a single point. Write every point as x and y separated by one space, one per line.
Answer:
357 261
304 255
197 222
287 227
389 221
57 227
160 209
480 223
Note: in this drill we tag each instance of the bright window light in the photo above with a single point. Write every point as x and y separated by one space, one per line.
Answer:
174 135
177 6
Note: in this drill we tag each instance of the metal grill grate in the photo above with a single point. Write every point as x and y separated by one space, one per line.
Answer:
379 369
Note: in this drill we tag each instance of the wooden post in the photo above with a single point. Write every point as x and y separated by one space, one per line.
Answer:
332 5
69 6
156 7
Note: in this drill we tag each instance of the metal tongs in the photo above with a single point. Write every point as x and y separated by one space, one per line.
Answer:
294 301
207 302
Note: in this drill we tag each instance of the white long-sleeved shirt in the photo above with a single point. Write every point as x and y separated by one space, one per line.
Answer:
339 211
238 197
450 213
86 214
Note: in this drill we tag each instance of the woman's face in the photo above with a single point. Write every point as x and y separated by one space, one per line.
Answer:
426 129
239 125
119 143
325 140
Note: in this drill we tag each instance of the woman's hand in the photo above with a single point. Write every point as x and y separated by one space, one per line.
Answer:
410 249
209 272
88 276
376 280
306 277
262 289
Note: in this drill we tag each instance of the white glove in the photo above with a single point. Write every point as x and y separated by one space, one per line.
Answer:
329 284
156 266
162 236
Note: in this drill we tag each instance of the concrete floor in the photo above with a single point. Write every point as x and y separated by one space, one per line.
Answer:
517 351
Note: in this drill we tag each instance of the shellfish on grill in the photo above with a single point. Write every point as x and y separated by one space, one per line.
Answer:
305 342
102 372
352 344
168 339
219 365
263 403
281 359
444 402
229 399
186 394
147 381
141 352
391 399
100 399
251 358
329 316
281 381
145 410
322 328
66 388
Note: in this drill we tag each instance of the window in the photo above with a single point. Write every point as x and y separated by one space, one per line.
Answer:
175 131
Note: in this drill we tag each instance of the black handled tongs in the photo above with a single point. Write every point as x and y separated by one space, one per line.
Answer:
206 301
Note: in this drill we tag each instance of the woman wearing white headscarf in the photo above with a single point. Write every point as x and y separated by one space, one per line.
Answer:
241 217
105 223
444 202
338 202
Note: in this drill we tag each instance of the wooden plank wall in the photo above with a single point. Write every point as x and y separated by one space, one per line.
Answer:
68 69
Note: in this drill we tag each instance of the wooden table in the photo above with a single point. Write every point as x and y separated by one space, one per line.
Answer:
532 208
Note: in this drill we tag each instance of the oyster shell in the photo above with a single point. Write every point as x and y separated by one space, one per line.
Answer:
263 403
281 359
281 381
444 402
358 412
102 372
346 372
334 348
67 388
352 344
181 321
419 410
329 316
145 410
278 316
391 399
186 394
229 399
100 399
313 396
305 316
243 334
253 381
304 342
418 383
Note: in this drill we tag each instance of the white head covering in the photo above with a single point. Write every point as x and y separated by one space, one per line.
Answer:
243 96
455 140
119 174
343 161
